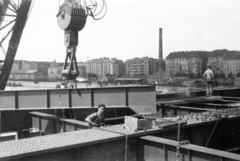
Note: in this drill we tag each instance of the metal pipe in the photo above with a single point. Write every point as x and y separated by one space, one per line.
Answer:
126 148
179 128
0 124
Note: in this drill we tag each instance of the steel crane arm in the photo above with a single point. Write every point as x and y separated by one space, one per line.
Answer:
22 12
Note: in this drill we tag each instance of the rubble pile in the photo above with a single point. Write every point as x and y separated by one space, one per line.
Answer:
202 117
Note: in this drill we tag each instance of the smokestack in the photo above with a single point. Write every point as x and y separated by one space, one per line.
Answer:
160 54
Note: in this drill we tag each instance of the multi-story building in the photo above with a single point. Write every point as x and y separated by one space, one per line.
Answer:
55 73
104 66
216 59
82 69
55 64
231 63
224 61
20 66
43 67
186 62
141 66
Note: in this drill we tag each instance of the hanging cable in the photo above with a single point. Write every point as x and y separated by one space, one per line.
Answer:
92 9
212 133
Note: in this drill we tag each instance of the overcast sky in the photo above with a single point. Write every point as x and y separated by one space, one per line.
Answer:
131 29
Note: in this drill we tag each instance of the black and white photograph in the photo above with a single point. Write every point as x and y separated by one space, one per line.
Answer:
119 80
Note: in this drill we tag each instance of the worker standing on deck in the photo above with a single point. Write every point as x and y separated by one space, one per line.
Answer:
208 76
97 118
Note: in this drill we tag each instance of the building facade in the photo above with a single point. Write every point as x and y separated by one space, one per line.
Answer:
82 69
104 66
231 64
21 66
55 73
224 61
43 67
141 66
186 63
28 75
216 60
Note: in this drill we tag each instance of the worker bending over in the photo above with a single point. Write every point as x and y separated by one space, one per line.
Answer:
97 118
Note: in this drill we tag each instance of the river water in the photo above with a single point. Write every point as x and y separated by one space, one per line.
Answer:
42 85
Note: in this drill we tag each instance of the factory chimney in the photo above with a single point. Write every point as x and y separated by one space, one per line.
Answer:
160 54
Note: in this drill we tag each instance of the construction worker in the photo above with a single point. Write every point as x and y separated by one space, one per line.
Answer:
97 118
208 76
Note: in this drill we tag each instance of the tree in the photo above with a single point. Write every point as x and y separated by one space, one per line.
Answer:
92 75
177 75
230 75
216 75
191 75
108 75
184 75
198 75
238 74
221 75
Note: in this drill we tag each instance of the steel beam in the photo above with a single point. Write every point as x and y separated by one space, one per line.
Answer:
141 99
211 153
54 143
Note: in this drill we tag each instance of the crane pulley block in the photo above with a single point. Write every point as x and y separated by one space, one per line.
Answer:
70 38
71 16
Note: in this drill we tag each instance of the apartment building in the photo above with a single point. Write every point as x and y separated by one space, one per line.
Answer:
82 69
141 66
20 66
231 63
216 60
186 62
55 73
43 67
224 61
104 66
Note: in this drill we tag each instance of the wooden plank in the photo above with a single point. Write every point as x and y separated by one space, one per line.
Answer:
235 98
42 114
193 147
120 118
232 101
191 108
72 121
76 122
191 100
213 104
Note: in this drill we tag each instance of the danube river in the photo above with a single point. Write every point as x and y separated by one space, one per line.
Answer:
41 85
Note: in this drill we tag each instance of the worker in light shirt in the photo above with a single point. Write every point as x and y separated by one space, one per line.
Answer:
209 77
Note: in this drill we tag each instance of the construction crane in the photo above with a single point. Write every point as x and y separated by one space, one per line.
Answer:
17 20
71 18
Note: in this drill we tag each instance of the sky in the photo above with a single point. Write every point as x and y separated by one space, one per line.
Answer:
131 29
